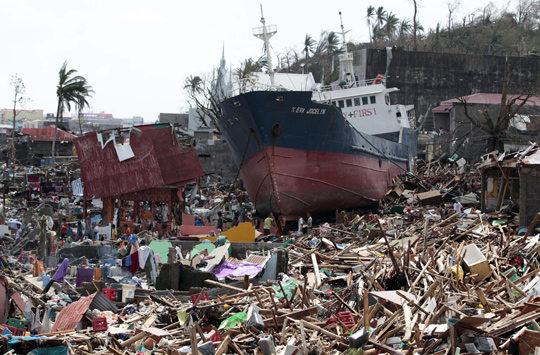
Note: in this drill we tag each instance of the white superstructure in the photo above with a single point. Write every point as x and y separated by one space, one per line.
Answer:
365 104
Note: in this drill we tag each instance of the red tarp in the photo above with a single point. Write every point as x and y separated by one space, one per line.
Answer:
158 161
47 134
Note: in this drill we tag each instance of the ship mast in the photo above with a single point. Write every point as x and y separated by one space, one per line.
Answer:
346 73
265 33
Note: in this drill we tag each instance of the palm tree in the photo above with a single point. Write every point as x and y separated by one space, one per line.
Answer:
370 16
81 104
309 44
70 89
332 45
380 16
322 46
404 28
391 25
194 84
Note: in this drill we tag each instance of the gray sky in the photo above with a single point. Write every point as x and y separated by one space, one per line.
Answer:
136 54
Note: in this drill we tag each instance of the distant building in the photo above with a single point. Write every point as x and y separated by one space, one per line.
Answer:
37 144
102 121
99 116
181 119
23 116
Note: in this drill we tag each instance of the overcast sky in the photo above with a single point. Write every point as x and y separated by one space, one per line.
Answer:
136 54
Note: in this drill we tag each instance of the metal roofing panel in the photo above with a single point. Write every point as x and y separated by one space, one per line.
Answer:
158 160
72 314
442 108
47 134
102 303
533 159
491 99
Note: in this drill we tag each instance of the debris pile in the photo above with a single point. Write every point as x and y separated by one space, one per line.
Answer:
384 284
424 274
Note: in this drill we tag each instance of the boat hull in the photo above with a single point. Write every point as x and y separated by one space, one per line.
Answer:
295 181
297 156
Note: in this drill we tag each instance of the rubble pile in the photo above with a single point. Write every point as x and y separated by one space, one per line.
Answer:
387 284
429 272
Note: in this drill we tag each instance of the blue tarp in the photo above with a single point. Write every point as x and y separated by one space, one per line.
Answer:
53 350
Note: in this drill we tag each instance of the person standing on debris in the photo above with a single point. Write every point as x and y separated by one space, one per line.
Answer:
300 225
410 218
235 220
458 206
282 223
18 233
114 232
268 223
220 221
127 231
69 234
63 231
80 230
344 217
309 222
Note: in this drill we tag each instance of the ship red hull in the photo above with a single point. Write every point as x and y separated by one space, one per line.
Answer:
295 181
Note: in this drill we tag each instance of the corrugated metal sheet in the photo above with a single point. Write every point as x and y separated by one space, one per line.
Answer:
158 161
47 134
533 159
102 303
491 99
72 314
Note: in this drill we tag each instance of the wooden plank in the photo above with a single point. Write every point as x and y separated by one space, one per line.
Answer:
294 315
316 270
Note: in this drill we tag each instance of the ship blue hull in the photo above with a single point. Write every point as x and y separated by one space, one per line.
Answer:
297 156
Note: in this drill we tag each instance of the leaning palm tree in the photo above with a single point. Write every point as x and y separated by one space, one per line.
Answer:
380 16
322 45
391 26
404 30
405 27
81 104
332 45
369 17
309 45
194 84
69 90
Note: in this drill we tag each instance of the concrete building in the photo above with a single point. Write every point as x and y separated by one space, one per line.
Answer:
25 118
513 179
454 133
181 119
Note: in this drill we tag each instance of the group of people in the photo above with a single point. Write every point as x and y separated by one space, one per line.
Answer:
280 224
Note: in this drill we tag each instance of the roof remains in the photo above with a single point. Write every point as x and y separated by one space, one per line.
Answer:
491 99
47 134
158 160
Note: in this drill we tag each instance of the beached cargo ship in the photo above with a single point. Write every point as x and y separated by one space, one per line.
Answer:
308 148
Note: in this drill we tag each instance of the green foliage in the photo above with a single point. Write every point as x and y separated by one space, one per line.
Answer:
352 351
71 89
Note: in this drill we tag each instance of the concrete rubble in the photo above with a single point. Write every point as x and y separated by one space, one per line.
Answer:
427 272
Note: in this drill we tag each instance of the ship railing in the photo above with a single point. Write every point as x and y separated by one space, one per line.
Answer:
243 86
359 83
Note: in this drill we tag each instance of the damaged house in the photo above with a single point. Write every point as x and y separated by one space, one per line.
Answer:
454 133
142 169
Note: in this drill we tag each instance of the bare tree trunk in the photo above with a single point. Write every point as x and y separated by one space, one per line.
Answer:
80 122
53 153
415 26
13 130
